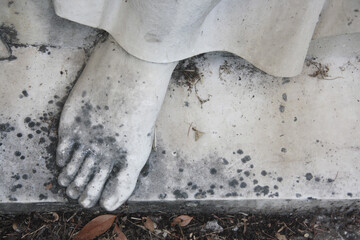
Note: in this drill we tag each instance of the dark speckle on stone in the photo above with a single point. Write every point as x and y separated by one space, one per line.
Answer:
186 104
283 150
282 108
308 176
246 159
240 151
255 181
263 172
78 119
247 173
25 93
59 104
42 197
194 187
106 107
279 179
38 131
25 176
27 119
42 140
224 161
276 187
189 183
213 171
285 80
317 179
330 180
210 191
261 189
243 185
19 135
17 153
295 119
233 183
31 124
83 94
180 195
42 49
298 195
181 169
162 195
239 170
284 97
349 194
163 152
22 157
212 186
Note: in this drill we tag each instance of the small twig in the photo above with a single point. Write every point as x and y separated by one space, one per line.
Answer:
31 233
189 129
72 216
268 235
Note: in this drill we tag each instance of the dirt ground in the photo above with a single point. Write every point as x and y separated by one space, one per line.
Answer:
66 225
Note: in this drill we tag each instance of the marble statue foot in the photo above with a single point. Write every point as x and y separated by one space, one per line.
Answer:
107 125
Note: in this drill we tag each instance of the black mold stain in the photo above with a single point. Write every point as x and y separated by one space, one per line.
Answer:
263 172
247 173
285 80
279 179
213 171
162 195
255 181
308 176
282 108
233 183
224 161
243 185
261 190
239 151
42 197
43 49
180 195
246 159
349 194
6 127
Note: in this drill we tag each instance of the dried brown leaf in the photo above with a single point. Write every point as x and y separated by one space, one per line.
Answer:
148 223
280 236
119 234
182 220
96 227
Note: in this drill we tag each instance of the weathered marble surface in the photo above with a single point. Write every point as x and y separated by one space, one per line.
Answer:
297 137
268 143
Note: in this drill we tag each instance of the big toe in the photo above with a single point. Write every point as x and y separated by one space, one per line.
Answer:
119 188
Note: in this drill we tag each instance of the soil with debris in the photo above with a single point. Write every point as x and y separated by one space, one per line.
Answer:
68 225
